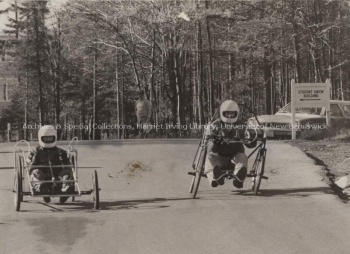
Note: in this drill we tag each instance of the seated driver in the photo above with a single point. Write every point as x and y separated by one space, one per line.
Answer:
45 154
226 156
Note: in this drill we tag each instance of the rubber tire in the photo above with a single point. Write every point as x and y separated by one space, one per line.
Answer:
74 163
259 172
95 190
254 170
18 191
199 171
194 167
21 165
63 200
192 184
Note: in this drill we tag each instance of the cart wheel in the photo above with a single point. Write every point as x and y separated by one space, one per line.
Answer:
95 190
74 163
259 172
18 191
21 165
192 184
199 172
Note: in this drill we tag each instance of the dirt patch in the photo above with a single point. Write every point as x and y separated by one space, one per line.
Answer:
133 169
60 233
334 156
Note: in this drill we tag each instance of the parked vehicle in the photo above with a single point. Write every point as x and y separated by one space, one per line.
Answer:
279 125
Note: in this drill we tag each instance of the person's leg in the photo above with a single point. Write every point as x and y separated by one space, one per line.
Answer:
41 175
139 125
212 168
241 163
65 174
145 124
38 175
141 122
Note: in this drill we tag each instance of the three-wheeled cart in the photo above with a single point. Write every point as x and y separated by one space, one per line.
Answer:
24 185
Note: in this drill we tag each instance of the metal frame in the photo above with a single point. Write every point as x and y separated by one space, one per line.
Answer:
260 151
20 165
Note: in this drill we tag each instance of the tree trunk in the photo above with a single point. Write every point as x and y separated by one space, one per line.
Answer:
153 98
58 79
200 74
122 102
83 119
178 80
42 114
267 81
288 88
118 93
94 96
210 78
16 19
194 89
26 105
298 78
230 94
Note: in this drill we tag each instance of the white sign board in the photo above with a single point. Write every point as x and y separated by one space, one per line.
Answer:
309 95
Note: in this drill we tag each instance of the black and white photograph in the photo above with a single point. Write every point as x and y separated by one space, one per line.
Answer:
174 126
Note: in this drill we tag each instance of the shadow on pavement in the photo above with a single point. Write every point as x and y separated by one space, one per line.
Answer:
294 192
5 168
139 204
55 206
153 203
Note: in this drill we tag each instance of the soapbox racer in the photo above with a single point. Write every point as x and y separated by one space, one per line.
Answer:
24 185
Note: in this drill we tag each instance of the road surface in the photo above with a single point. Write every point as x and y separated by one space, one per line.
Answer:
149 210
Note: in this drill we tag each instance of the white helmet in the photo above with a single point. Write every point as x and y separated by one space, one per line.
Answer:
229 111
47 136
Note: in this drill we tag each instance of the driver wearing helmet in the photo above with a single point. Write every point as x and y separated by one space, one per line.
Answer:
223 155
47 153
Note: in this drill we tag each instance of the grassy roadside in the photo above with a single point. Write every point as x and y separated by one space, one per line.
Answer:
331 153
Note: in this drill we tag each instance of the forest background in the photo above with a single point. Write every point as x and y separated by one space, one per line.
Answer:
82 64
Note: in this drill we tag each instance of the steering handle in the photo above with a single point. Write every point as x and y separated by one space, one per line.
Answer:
71 145
230 141
247 139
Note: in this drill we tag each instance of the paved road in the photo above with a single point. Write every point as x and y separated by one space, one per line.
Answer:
150 211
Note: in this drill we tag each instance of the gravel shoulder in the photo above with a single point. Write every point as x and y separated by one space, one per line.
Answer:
334 156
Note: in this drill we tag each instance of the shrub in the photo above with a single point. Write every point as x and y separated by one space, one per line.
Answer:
336 132
342 135
314 134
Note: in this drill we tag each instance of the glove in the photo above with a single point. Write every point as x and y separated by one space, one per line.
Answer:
218 140
250 134
251 144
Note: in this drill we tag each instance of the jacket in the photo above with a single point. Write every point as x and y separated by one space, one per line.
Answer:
230 131
40 156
